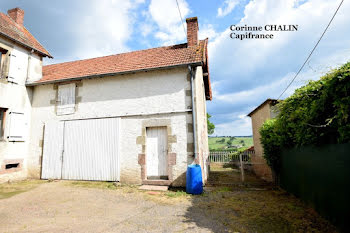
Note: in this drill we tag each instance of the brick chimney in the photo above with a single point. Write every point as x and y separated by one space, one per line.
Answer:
192 31
17 14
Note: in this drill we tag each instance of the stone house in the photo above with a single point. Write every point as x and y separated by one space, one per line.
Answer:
259 115
137 117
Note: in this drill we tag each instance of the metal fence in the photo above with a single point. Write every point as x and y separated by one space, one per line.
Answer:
242 159
230 156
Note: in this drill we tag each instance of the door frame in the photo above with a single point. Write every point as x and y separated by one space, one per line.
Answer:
159 176
141 140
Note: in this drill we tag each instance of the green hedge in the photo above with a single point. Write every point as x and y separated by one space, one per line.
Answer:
315 114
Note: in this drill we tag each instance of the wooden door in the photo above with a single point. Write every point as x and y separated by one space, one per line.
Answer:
157 153
53 151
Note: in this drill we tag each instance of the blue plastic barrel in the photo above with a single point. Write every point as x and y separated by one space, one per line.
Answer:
194 183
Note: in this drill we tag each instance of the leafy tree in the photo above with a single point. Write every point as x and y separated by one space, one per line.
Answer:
211 126
229 142
316 114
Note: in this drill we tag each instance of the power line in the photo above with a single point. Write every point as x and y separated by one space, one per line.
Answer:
183 24
324 32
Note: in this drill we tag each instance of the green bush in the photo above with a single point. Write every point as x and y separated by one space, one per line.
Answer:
316 114
270 139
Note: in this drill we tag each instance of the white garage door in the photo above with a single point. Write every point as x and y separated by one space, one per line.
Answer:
90 150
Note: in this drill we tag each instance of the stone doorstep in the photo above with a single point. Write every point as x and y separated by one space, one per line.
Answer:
157 182
154 187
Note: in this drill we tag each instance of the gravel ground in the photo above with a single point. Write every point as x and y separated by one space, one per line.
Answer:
61 207
226 206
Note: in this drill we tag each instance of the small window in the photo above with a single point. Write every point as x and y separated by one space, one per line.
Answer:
2 122
66 99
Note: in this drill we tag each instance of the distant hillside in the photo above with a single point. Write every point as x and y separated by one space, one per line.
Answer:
230 142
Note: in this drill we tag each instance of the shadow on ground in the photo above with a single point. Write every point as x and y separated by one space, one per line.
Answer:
228 205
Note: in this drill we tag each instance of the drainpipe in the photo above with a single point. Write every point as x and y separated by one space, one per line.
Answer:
193 114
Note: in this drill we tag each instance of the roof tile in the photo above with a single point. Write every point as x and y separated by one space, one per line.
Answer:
19 33
125 62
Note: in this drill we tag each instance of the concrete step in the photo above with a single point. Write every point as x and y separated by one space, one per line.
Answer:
154 187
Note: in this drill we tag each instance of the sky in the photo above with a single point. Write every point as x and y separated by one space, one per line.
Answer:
243 73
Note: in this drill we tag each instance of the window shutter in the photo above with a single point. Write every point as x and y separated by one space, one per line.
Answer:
5 65
18 127
66 99
13 73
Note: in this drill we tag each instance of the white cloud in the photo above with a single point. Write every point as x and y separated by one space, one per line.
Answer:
245 73
165 14
207 31
251 55
106 29
146 29
239 126
227 8
250 95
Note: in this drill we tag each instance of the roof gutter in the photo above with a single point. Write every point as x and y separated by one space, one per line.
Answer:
25 45
112 74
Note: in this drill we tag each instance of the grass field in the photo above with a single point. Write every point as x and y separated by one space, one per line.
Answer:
221 143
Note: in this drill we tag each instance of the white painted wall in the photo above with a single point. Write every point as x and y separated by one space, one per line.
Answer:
35 68
144 93
17 98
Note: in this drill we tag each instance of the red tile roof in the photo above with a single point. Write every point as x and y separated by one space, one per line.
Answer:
149 59
13 31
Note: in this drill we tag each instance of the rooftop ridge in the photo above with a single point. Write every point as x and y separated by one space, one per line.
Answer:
129 52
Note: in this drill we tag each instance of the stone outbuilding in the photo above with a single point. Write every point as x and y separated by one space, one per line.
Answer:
259 115
136 117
